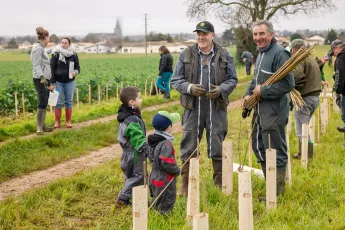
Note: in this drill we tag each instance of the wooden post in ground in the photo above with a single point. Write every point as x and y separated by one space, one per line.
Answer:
250 151
157 92
146 88
16 203
271 177
304 149
121 86
312 129
89 94
193 201
245 201
329 108
77 91
106 92
288 166
140 205
227 167
16 103
23 104
200 220
117 91
324 116
150 90
319 124
99 94
335 106
324 92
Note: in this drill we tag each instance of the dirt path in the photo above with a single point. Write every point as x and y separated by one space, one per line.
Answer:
18 186
95 121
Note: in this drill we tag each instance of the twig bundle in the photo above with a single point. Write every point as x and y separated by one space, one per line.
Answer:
284 70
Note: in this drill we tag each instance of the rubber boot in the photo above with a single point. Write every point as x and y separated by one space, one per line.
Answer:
185 177
57 118
40 121
217 173
281 180
45 128
298 155
167 95
68 112
310 150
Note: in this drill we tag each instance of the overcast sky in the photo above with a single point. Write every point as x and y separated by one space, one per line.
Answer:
78 17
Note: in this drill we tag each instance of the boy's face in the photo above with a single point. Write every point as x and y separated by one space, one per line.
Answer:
169 129
137 102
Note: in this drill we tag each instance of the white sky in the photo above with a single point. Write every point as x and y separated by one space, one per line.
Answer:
78 17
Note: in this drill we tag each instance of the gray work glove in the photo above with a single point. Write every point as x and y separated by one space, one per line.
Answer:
214 93
197 90
43 80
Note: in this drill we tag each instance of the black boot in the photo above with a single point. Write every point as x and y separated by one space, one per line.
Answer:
217 173
281 180
341 129
167 95
185 177
298 155
310 150
162 91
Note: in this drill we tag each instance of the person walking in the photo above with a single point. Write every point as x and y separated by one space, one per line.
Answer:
41 78
65 67
165 71
247 58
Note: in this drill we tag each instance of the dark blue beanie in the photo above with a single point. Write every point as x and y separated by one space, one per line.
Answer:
161 122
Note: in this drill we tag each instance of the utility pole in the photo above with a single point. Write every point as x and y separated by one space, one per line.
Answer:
146 34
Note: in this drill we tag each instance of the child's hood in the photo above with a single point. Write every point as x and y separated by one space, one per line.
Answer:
125 111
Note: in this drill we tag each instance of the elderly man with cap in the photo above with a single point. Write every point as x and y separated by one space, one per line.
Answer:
308 82
205 76
247 58
338 50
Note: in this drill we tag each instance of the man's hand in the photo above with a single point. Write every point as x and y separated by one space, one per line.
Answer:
214 93
257 91
197 90
44 81
244 100
324 83
74 74
52 88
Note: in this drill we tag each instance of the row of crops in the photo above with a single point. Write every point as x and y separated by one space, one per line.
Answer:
16 77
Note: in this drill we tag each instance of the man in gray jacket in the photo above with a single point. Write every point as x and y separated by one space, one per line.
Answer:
205 76
247 58
271 113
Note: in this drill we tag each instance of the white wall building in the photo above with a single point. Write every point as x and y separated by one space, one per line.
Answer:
315 39
153 47
97 49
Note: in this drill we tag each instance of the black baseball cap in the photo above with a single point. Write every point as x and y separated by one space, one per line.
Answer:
333 45
204 26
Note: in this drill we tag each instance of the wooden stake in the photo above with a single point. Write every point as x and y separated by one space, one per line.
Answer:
16 203
324 92
23 104
89 94
106 92
16 103
329 107
288 167
250 151
117 91
77 91
200 221
146 88
99 94
245 201
193 201
121 86
157 92
140 207
304 149
227 167
271 177
324 116
150 90
312 129
319 125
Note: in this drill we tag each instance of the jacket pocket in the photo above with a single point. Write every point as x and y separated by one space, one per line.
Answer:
158 183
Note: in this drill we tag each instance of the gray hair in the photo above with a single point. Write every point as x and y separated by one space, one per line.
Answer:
297 44
264 22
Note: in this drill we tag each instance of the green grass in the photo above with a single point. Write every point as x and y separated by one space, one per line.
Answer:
85 201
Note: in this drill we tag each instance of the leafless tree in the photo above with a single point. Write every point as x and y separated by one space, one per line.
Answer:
244 12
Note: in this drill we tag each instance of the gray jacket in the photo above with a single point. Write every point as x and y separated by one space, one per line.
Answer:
248 56
40 62
188 70
274 97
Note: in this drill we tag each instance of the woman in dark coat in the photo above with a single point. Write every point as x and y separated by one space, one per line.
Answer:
165 71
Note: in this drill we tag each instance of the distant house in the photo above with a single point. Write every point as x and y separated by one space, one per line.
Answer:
25 46
153 47
315 39
80 47
97 49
